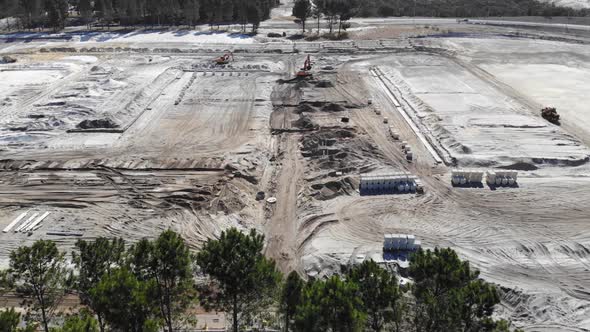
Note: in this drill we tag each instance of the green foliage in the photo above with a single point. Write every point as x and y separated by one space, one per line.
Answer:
167 262
158 272
150 286
125 301
93 260
380 293
245 280
40 272
6 282
291 297
449 295
331 305
9 320
84 321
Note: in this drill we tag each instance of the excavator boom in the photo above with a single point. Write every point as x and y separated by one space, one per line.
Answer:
304 72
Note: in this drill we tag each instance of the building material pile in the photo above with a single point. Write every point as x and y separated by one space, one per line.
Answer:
550 114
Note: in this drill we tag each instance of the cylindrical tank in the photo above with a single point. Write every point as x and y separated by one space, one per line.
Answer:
455 180
463 180
510 180
504 181
407 187
498 180
400 187
412 187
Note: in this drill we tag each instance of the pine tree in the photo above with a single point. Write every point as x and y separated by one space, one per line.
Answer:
40 270
302 10
85 9
291 297
246 281
192 10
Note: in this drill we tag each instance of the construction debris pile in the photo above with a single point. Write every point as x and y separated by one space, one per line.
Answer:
550 114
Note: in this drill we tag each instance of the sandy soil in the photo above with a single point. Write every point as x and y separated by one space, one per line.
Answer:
190 146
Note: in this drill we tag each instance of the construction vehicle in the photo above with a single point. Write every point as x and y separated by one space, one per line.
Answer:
550 114
224 59
305 71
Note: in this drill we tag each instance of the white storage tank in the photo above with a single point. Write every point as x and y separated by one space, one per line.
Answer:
395 241
388 241
402 241
491 177
498 180
410 242
475 176
510 180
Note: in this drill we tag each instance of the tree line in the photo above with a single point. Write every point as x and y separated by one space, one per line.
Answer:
465 8
153 285
337 13
53 13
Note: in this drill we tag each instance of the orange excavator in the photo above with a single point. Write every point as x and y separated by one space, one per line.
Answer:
224 59
305 71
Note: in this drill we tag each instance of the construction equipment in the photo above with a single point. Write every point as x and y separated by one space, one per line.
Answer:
550 114
304 72
224 59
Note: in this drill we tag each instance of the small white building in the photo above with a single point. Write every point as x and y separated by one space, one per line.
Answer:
406 242
462 176
501 178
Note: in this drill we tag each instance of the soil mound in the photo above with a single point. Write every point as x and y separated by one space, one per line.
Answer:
304 122
520 166
305 108
324 84
7 59
333 189
96 124
331 107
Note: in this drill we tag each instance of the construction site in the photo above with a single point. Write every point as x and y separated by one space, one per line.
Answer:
429 132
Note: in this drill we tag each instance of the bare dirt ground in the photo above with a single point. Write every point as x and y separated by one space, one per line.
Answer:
130 139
